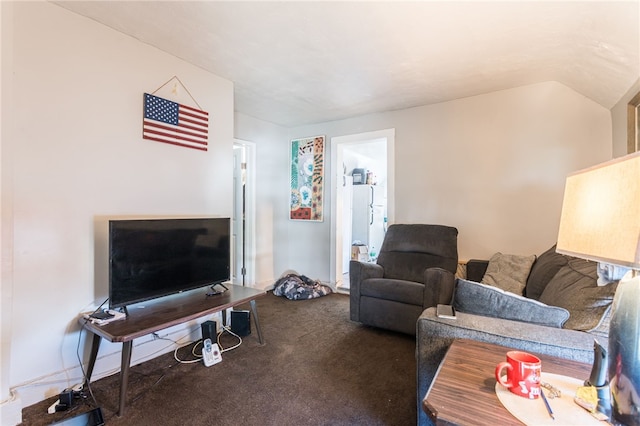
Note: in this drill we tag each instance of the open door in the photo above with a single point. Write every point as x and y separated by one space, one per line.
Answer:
373 151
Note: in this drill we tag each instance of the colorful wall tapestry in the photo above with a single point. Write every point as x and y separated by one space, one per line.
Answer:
307 178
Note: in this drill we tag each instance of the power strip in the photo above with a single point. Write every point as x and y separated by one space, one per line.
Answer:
116 316
76 388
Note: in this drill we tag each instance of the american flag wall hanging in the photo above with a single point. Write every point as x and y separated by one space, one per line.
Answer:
170 122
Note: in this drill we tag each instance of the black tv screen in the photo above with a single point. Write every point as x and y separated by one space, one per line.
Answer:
152 258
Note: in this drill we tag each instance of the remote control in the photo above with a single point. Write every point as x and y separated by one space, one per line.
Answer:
445 311
210 353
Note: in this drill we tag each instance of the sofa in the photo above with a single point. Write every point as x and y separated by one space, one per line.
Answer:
555 307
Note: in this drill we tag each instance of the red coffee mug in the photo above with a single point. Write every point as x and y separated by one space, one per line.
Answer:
523 374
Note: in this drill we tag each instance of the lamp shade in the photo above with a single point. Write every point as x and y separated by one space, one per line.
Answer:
600 218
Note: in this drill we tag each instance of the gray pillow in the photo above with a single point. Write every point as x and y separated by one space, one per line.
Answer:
575 288
480 299
508 272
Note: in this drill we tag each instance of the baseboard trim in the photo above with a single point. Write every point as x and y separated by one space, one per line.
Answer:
11 410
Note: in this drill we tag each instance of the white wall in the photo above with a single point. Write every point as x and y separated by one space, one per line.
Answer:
272 183
10 404
492 165
72 156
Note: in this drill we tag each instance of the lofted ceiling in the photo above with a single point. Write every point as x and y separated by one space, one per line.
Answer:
301 62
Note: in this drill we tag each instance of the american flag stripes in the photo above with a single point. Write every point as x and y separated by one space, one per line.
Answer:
170 122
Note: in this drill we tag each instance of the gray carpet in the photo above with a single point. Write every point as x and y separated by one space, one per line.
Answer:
315 368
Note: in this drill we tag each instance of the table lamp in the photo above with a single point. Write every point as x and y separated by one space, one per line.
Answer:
600 221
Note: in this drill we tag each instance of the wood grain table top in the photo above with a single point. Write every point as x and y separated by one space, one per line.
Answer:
154 315
463 392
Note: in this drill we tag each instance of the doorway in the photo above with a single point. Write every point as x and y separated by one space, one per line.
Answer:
243 245
371 154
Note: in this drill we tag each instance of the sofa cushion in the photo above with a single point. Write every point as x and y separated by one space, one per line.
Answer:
575 288
602 329
508 272
486 300
544 268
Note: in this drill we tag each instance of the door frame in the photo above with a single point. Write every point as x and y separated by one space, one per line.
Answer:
250 210
337 148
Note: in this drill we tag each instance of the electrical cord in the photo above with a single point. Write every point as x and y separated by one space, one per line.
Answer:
82 393
193 350
93 401
199 343
162 376
183 361
84 374
198 356
144 391
85 382
228 330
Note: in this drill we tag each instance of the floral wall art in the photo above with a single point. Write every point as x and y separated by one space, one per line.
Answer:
307 178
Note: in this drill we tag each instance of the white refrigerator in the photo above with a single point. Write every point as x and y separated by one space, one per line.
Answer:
368 213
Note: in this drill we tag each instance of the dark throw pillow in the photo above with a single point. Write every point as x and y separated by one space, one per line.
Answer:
544 268
575 288
480 299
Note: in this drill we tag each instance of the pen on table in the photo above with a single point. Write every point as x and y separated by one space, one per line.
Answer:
546 404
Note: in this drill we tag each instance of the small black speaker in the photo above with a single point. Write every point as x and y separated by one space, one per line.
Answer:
209 331
241 323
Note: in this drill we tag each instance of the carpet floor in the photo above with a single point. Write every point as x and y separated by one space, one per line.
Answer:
316 368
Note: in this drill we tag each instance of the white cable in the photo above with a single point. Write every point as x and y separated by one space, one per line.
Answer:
228 330
175 353
193 350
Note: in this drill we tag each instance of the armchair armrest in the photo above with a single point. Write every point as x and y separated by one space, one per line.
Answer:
439 285
358 272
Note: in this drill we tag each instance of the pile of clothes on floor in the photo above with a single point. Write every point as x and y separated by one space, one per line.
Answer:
299 287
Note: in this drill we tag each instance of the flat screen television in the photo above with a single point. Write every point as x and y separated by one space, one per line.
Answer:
152 258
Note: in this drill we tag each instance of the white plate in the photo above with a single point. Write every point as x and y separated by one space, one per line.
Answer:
534 412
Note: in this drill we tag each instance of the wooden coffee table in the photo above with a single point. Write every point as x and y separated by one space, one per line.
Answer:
463 391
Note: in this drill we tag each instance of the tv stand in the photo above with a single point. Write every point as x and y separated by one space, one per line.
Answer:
213 292
155 315
224 286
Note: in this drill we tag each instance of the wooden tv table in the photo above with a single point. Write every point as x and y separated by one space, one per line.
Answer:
155 315
463 391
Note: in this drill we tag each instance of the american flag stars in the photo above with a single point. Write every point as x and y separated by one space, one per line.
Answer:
160 109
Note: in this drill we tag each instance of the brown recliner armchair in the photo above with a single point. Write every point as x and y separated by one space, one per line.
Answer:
415 270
